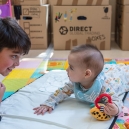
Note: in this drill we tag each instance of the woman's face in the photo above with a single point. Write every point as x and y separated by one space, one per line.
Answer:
9 59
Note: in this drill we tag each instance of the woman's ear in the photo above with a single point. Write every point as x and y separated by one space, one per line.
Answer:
88 73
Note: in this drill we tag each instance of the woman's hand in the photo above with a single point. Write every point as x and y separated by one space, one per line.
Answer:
2 90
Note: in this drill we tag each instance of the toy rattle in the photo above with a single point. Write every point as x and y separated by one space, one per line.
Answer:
126 124
98 111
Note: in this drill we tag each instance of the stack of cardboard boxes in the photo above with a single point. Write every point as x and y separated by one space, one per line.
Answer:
122 24
79 22
32 16
73 22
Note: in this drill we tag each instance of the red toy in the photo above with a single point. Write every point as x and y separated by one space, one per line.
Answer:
98 111
104 95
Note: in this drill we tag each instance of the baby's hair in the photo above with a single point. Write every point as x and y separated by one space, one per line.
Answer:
12 36
92 57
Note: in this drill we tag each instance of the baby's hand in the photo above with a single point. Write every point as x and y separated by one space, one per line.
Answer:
42 109
111 109
2 90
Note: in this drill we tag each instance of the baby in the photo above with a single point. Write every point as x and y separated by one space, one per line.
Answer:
89 78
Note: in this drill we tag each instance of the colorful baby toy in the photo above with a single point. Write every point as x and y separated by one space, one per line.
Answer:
98 111
126 125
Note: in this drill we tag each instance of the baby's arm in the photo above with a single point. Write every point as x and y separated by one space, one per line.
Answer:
55 98
115 107
2 90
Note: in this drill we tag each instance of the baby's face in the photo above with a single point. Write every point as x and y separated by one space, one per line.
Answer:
76 69
9 59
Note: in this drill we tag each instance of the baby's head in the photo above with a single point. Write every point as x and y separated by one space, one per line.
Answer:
14 43
85 63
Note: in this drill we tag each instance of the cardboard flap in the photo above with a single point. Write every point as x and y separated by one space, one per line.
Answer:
99 2
59 2
89 2
16 2
78 2
75 2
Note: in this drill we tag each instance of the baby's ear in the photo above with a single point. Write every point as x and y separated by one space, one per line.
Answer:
88 73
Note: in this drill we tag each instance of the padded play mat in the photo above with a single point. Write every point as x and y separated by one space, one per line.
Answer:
31 69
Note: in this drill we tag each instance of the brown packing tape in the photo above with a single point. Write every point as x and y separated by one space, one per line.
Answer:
5 1
59 2
102 45
75 2
74 42
16 2
89 2
68 45
88 41
99 2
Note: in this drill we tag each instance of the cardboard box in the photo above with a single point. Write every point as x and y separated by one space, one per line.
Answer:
117 21
30 2
123 41
74 3
34 20
78 2
74 26
122 33
123 2
124 15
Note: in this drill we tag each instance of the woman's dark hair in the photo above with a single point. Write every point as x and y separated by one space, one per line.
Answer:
12 36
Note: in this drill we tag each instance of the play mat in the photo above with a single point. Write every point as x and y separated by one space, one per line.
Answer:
31 69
